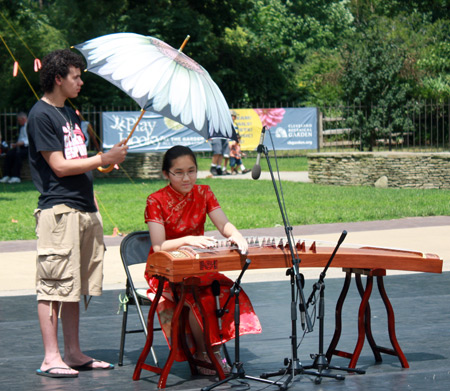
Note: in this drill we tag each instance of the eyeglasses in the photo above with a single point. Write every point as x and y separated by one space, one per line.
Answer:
181 175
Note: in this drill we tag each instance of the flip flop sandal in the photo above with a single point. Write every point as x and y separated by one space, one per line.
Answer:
48 373
87 366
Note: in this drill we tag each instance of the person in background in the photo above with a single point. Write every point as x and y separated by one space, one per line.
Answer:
221 153
16 153
235 157
3 146
176 216
233 117
69 227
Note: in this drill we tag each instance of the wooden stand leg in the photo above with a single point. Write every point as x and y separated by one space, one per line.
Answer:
178 333
361 321
397 351
149 341
367 318
364 319
338 320
174 339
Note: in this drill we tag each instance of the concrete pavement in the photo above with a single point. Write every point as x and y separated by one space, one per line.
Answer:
293 176
425 234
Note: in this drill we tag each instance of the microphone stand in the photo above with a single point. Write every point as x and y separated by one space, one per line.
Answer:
237 369
219 313
294 366
320 360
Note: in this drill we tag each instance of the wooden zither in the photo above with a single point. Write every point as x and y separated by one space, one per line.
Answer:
269 253
181 268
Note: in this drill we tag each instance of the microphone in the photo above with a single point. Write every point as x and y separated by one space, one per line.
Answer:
256 170
215 287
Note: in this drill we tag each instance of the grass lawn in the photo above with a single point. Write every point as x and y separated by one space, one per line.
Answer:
247 203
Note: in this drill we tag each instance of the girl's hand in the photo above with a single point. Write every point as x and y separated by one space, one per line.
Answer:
240 241
201 241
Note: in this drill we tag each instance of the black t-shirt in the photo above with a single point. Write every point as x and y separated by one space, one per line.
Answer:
49 129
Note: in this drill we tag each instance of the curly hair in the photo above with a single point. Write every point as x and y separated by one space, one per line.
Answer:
57 63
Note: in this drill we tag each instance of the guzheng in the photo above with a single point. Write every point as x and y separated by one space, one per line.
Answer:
269 253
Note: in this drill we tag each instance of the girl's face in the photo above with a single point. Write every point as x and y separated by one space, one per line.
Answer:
182 174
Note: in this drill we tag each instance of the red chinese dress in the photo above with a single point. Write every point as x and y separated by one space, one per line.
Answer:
184 215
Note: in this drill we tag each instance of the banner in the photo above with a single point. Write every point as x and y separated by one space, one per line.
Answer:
153 133
290 128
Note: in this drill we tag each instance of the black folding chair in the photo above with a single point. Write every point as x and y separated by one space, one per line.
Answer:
134 250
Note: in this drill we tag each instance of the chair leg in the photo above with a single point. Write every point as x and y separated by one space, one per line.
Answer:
122 336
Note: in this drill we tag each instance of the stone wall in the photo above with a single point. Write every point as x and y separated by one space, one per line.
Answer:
135 166
384 169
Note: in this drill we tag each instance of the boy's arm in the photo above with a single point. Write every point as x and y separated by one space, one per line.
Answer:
63 167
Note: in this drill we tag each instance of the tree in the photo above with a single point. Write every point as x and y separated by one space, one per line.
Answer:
432 10
271 43
433 63
25 31
378 79
259 52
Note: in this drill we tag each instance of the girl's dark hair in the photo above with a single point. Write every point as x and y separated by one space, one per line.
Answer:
57 63
174 153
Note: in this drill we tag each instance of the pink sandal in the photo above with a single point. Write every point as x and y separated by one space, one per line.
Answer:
223 362
203 356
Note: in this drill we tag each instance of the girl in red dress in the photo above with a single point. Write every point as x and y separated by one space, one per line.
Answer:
176 216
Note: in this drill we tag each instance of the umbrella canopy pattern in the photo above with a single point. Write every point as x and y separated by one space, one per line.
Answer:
161 79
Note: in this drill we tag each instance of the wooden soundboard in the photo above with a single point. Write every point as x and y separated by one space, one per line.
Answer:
273 253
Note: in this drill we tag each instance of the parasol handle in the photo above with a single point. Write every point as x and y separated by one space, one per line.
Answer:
111 166
184 43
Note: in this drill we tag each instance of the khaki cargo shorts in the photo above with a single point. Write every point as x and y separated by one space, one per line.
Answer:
70 253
